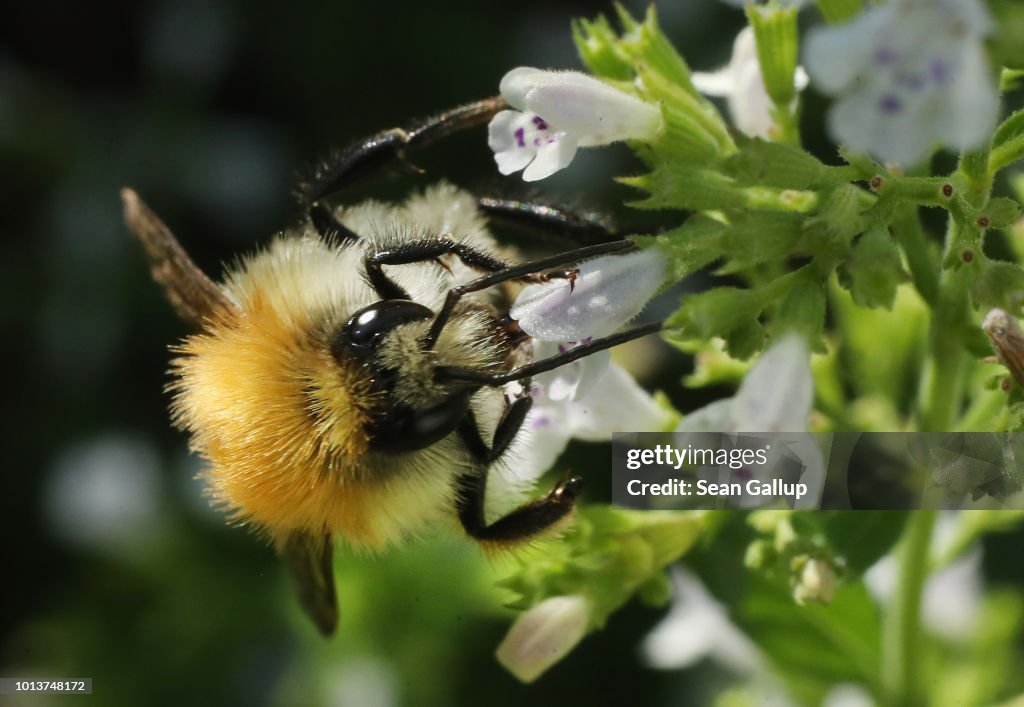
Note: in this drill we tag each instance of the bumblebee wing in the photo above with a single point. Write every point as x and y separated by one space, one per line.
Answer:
193 295
310 558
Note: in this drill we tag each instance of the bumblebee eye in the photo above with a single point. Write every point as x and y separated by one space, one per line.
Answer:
365 329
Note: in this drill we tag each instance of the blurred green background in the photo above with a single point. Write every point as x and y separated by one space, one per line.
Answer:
115 566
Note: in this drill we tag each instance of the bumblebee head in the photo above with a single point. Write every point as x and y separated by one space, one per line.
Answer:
412 410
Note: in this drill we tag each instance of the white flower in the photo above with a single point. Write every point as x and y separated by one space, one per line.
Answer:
544 635
697 627
589 398
774 397
606 293
742 86
583 401
909 74
559 111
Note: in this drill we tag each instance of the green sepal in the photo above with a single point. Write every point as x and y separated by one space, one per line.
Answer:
607 556
598 47
802 310
1000 212
680 185
727 312
684 138
758 237
865 166
775 34
645 42
873 270
689 247
828 234
692 108
775 164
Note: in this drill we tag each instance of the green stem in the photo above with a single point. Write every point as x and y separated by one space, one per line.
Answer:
924 267
902 677
943 373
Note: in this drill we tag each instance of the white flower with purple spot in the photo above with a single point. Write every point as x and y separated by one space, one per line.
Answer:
591 397
909 75
558 112
589 403
742 85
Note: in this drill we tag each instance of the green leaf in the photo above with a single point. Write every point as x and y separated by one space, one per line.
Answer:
814 647
999 284
645 42
727 312
716 312
828 234
873 270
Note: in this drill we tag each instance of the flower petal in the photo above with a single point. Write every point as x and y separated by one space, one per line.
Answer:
607 293
911 75
837 54
697 627
517 82
615 404
552 156
777 393
714 83
548 437
972 103
599 113
714 417
544 635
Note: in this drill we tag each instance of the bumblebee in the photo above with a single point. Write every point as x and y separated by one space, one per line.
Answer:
353 379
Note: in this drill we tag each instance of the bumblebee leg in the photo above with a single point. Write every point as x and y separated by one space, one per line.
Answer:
509 425
323 220
369 156
429 249
580 228
521 523
467 375
519 272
